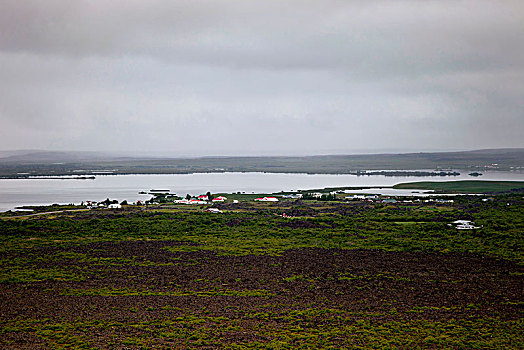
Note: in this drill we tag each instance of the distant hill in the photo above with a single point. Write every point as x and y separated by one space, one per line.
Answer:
5 154
36 156
54 163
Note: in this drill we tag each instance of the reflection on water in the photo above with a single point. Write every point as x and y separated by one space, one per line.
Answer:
17 192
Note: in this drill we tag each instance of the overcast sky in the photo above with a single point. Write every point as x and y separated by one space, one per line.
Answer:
238 77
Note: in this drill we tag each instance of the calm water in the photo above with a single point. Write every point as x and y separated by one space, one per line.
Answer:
15 193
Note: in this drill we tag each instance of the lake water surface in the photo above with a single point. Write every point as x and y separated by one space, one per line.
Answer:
19 192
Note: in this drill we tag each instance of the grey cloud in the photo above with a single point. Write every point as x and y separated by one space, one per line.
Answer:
301 34
267 76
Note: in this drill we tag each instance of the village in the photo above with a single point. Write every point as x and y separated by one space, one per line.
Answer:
212 204
160 198
165 197
207 199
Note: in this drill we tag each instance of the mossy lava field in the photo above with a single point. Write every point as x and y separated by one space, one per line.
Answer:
328 274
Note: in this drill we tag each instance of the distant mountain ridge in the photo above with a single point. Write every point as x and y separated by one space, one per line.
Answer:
36 156
74 156
19 164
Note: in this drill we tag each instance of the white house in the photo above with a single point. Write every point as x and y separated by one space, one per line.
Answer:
181 201
196 201
114 206
462 222
219 199
355 197
293 196
444 200
266 199
464 225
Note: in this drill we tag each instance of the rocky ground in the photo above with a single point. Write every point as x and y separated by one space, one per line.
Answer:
145 294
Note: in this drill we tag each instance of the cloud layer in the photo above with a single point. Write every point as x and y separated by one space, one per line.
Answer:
261 77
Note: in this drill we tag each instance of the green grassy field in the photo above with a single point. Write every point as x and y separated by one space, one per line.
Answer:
464 186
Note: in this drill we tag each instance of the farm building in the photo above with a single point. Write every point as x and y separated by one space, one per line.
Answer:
266 199
464 225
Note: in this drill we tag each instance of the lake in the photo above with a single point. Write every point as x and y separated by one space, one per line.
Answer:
34 191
